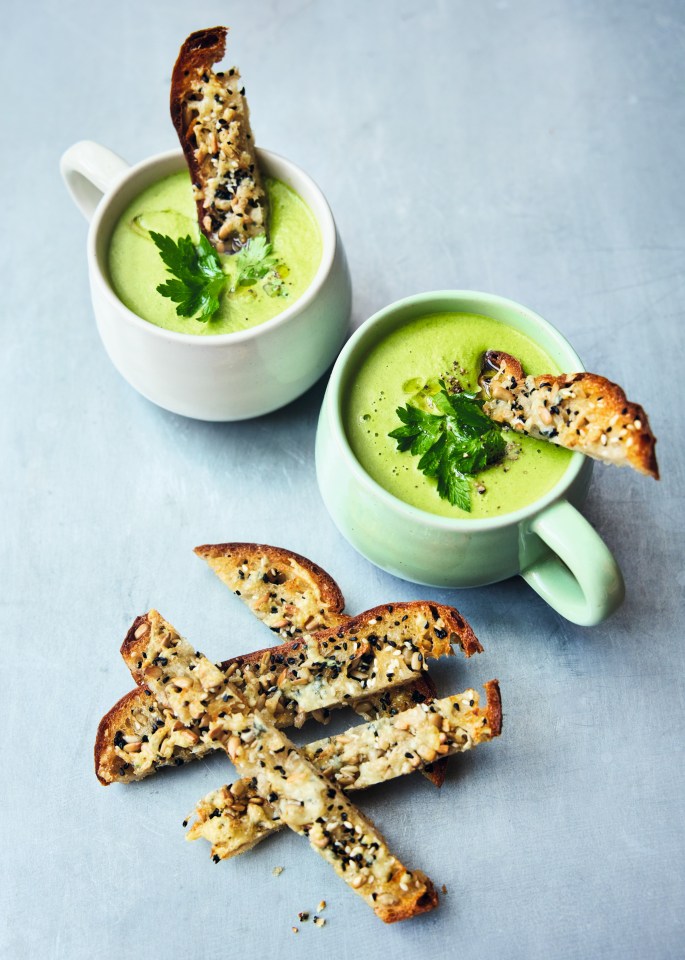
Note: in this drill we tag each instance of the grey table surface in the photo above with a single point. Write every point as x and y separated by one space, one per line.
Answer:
533 149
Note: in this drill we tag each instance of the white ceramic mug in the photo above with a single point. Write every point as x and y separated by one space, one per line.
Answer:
230 376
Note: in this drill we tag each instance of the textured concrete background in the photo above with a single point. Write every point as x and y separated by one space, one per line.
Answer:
534 149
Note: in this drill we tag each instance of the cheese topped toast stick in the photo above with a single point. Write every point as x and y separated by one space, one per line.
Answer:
235 817
209 704
211 117
357 662
287 592
580 411
292 595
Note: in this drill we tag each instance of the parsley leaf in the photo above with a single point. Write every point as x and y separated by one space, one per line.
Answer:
254 261
455 443
197 275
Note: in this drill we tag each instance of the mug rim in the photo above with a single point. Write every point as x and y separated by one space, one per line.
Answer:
416 514
322 214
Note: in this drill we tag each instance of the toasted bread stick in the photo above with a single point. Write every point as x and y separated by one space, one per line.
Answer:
582 412
211 117
214 709
372 653
235 818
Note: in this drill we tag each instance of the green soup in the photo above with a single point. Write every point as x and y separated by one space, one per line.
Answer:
448 345
136 268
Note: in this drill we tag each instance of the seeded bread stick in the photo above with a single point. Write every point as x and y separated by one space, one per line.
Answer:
368 656
138 736
382 648
211 117
286 591
582 412
205 701
235 817
289 594
292 595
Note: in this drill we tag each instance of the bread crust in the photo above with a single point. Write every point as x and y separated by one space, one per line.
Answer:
136 714
208 704
211 118
582 412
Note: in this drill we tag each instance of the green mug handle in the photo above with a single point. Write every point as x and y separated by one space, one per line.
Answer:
572 569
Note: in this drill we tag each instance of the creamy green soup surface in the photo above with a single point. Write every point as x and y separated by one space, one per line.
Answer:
167 207
445 345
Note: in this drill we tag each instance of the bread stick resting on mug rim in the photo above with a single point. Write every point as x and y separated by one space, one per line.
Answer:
582 412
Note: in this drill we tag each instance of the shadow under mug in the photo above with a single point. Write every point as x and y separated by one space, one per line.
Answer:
548 542
221 377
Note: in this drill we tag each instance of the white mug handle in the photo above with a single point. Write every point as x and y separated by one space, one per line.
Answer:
89 171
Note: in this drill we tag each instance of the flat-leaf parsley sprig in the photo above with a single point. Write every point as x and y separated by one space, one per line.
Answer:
454 443
198 277
254 261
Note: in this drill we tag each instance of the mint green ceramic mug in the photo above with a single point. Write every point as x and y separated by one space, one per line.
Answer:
548 542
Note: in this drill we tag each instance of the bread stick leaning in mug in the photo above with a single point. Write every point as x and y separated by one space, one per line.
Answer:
211 117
